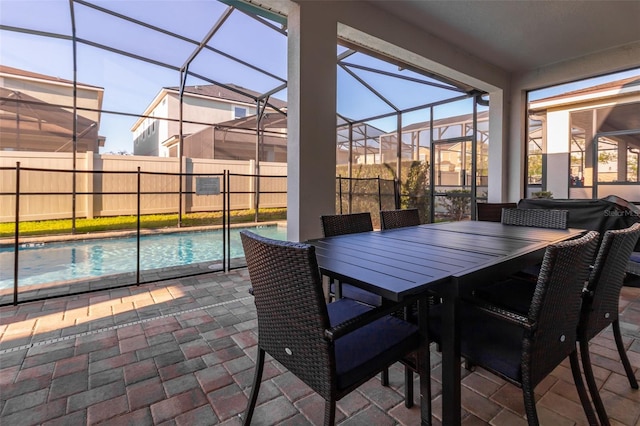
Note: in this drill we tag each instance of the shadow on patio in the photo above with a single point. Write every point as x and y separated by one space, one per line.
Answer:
182 352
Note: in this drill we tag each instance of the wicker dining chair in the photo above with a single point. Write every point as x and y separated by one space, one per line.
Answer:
322 344
524 349
340 224
633 266
492 212
390 219
401 218
600 300
600 306
353 223
540 218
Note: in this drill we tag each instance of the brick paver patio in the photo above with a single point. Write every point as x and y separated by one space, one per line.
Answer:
181 352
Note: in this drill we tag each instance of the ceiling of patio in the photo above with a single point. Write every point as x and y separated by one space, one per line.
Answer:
524 35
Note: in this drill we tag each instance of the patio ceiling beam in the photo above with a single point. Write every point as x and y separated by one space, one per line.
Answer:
282 30
403 77
416 108
385 58
256 11
178 36
35 32
368 86
266 96
221 20
127 54
344 55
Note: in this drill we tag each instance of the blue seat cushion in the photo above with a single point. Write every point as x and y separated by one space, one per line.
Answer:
512 294
486 341
371 348
344 309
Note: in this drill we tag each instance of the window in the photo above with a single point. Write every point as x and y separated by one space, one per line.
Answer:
239 112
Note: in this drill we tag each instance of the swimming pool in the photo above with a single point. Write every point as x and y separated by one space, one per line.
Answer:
71 260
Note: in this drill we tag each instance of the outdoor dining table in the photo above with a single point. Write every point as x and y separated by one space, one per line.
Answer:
444 258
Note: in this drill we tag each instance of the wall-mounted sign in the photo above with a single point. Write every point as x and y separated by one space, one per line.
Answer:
207 185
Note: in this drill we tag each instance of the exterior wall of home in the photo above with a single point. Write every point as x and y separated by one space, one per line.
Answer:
114 192
613 60
198 114
58 94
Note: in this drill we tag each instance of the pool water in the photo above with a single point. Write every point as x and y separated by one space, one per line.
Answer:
64 261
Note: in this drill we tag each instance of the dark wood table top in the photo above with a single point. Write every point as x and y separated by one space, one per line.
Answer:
399 262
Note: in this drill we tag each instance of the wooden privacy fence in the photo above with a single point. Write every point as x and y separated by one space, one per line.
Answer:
108 185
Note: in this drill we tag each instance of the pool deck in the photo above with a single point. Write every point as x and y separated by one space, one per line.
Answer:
181 352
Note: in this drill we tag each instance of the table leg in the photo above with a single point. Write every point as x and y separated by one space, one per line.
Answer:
451 359
424 362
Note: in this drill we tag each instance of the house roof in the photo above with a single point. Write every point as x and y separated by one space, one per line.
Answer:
36 76
268 121
625 83
33 118
232 93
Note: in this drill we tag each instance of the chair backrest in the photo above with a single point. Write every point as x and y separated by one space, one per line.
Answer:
492 212
555 306
556 219
340 224
600 304
390 219
290 306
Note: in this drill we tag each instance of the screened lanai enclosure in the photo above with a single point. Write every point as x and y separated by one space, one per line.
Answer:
138 119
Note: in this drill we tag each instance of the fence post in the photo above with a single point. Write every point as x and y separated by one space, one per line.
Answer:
226 221
340 192
379 195
16 241
89 177
252 184
138 233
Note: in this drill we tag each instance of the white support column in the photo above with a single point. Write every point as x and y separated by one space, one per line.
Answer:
557 170
498 189
311 116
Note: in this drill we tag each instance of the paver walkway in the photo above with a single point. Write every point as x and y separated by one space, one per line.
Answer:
181 352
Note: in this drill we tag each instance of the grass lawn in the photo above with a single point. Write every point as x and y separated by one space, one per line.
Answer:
119 223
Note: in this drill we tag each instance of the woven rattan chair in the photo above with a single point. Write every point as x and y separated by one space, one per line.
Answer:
524 349
633 267
600 306
322 344
390 219
540 218
353 223
340 224
492 212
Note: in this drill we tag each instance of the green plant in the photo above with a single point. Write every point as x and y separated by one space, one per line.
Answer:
119 223
457 202
542 194
415 189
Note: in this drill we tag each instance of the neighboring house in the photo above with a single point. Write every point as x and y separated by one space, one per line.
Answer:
36 113
157 131
586 143
236 139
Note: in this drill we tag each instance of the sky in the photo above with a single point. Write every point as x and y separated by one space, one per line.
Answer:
130 84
